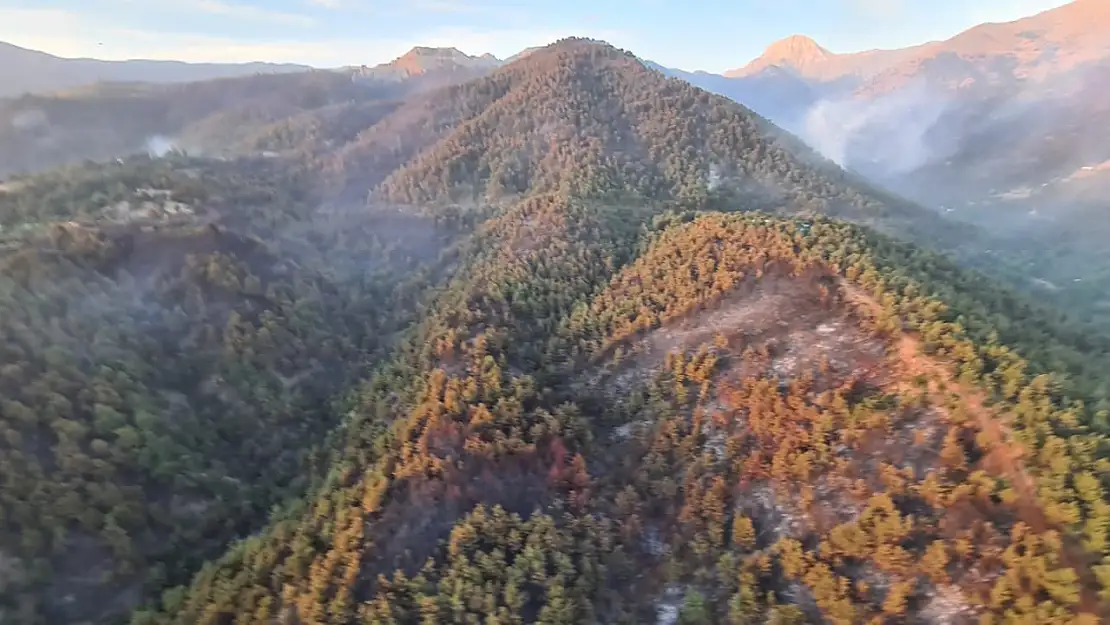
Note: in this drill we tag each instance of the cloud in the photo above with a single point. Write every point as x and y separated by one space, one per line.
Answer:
248 12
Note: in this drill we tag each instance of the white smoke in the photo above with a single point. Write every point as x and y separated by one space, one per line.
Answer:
890 131
29 119
159 146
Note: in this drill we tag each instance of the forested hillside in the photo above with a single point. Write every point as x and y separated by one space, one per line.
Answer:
755 420
590 120
171 362
570 343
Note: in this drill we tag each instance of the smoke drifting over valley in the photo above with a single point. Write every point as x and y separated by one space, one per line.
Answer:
892 130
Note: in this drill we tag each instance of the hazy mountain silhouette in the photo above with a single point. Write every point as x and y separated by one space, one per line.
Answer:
29 71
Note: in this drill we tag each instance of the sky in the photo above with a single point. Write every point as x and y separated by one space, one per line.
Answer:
710 35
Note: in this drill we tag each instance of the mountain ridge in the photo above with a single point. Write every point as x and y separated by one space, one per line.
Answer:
1075 26
422 60
23 71
806 58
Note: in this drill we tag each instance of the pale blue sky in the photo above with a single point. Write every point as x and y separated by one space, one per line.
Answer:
713 35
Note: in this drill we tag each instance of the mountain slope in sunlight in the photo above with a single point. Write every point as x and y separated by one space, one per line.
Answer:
805 58
423 60
1003 126
1033 48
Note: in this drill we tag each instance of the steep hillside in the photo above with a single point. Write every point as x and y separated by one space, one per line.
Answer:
177 337
25 71
572 342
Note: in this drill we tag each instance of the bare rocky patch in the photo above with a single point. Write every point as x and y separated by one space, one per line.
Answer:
947 605
794 318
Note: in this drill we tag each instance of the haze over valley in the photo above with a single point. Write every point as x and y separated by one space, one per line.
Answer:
567 336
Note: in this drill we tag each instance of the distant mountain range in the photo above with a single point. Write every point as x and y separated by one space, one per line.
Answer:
24 71
29 71
421 61
989 55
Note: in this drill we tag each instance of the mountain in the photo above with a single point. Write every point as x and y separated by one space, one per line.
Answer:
216 117
349 116
1039 74
792 78
115 119
28 71
570 342
433 66
660 441
616 423
803 57
1003 126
